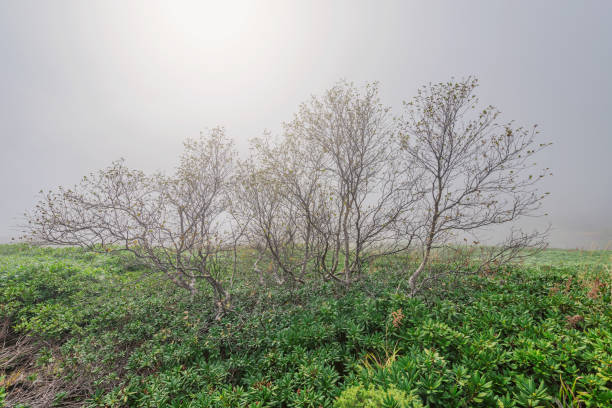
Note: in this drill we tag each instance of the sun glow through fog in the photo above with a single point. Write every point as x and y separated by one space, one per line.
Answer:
219 23
220 27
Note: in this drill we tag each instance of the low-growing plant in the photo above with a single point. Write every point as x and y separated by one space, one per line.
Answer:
133 339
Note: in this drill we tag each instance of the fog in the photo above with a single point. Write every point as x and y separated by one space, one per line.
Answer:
85 83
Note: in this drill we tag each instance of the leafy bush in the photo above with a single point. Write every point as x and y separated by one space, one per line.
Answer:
376 397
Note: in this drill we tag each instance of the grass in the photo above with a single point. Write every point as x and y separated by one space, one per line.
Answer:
80 329
572 257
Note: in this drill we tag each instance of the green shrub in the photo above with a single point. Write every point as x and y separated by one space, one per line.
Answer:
376 397
2 392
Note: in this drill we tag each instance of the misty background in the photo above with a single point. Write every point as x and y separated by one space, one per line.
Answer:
85 83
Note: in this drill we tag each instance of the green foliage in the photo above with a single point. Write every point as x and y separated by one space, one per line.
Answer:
504 340
376 397
2 392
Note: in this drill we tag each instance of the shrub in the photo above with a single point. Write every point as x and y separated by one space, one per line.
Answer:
376 397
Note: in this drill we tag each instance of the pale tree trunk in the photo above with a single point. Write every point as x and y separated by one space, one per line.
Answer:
222 298
415 275
347 263
306 253
412 282
192 287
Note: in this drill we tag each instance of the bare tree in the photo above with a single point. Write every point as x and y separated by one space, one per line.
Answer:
274 225
475 172
282 194
329 194
344 144
173 224
342 185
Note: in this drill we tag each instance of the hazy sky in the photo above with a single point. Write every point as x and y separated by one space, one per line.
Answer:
83 83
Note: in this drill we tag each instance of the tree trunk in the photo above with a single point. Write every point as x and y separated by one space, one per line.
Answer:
415 275
222 298
192 287
347 263
412 282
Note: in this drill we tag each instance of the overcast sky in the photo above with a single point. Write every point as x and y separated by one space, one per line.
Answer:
83 83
